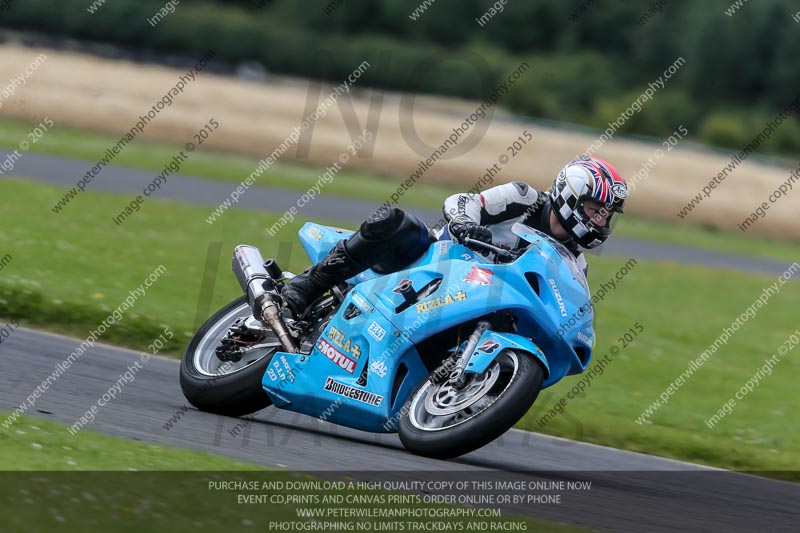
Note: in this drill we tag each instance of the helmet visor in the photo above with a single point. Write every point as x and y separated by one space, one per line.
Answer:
595 213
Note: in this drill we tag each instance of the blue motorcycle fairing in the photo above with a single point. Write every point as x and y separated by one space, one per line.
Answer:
540 314
492 343
317 240
363 368
553 302
366 348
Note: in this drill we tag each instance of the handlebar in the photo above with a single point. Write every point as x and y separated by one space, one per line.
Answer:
507 254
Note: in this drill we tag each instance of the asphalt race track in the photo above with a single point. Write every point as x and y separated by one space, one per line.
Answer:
630 491
66 172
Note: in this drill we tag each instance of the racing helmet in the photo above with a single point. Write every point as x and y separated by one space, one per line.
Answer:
587 178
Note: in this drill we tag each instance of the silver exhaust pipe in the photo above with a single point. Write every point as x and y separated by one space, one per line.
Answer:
261 292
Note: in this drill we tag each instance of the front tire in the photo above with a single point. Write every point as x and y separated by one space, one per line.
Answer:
444 422
231 389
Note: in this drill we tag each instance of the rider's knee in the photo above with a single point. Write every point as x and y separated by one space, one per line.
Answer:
383 224
389 240
410 240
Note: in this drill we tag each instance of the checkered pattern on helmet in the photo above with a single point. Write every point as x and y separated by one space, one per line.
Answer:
598 181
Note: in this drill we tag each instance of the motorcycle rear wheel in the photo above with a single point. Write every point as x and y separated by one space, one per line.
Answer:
443 421
225 388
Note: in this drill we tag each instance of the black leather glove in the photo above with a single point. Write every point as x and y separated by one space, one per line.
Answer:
460 230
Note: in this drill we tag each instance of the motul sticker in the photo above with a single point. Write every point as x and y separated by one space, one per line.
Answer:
336 356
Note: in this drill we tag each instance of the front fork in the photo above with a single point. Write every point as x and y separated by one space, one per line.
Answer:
455 366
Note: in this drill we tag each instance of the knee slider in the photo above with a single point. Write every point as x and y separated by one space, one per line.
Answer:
382 224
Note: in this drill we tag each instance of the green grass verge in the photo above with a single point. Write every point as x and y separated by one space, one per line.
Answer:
90 145
36 444
84 483
683 310
70 276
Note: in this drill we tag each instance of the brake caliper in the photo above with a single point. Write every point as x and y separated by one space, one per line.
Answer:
234 344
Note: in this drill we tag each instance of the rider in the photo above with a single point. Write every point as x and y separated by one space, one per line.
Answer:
576 211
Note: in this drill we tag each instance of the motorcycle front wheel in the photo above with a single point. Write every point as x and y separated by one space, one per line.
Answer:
444 421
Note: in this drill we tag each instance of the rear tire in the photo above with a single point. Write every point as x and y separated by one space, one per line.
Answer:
435 425
235 393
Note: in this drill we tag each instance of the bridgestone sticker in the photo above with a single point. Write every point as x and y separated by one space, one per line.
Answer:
351 392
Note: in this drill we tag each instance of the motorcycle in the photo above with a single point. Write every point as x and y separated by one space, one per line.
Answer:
450 352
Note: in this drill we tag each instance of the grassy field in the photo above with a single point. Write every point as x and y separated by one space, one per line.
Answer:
68 277
94 482
89 145
36 444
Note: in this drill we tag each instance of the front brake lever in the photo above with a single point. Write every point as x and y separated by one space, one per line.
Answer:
500 252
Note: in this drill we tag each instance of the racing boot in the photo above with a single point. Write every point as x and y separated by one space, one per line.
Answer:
336 267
